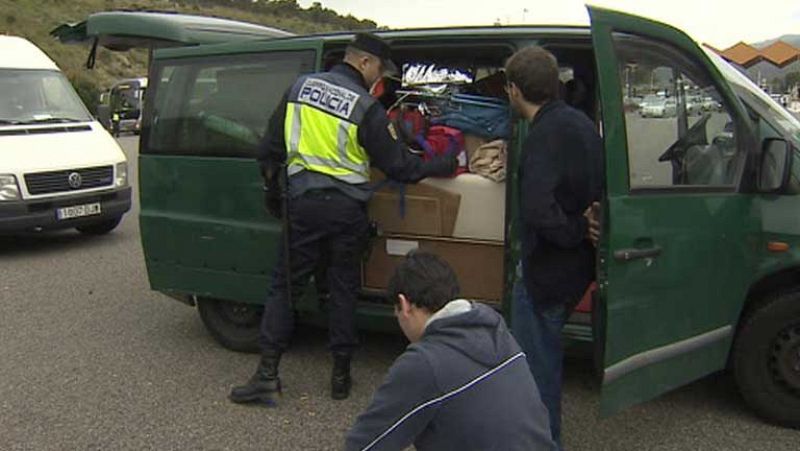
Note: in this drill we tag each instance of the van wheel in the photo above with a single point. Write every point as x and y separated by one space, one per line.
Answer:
767 359
234 325
100 228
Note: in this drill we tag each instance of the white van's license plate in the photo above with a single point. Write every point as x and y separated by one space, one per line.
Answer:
77 211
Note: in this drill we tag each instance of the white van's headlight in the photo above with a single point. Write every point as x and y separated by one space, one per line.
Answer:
122 174
9 190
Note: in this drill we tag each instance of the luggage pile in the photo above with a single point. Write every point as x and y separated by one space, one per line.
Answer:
440 111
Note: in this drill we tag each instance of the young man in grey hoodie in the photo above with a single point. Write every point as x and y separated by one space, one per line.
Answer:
463 383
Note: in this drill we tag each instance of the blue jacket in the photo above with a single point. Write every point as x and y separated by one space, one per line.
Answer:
560 174
464 386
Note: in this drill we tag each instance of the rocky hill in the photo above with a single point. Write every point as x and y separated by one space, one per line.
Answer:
33 19
793 39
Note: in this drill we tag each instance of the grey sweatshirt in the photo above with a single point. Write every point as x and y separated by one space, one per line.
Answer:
464 386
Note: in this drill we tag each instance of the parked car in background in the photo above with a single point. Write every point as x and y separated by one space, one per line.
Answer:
650 99
125 105
709 104
659 108
694 105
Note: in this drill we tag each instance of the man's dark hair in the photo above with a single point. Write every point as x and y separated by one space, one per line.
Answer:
535 72
356 52
426 280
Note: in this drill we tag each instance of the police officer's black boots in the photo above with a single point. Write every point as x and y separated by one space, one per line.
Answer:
340 380
263 385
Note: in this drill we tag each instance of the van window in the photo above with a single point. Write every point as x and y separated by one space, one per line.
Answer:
218 106
38 96
679 132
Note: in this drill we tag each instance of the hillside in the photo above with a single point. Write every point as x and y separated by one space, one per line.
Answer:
793 39
33 19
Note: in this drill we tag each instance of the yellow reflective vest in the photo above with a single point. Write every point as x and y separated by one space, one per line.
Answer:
323 114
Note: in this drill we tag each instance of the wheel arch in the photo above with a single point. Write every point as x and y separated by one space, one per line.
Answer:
775 282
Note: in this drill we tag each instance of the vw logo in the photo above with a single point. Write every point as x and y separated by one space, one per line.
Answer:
74 179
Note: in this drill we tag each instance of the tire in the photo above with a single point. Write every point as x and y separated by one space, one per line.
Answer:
100 228
234 325
766 359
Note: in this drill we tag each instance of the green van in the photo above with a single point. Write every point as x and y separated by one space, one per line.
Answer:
699 261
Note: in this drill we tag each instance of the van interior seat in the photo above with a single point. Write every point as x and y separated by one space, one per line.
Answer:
704 165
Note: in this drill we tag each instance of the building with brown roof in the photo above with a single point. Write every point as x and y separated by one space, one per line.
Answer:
764 65
742 54
780 53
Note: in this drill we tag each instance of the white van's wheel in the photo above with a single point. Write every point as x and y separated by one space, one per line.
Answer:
234 325
100 228
766 359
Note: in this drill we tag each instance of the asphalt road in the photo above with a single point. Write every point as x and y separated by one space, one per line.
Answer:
90 358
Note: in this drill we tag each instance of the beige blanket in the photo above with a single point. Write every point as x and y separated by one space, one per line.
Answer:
489 160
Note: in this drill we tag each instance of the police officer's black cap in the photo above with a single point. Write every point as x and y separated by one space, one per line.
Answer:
374 45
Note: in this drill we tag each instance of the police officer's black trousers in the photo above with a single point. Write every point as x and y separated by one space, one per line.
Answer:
322 222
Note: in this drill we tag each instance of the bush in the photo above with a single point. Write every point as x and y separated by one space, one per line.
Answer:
86 88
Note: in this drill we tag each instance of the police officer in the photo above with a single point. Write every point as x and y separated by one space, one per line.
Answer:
324 136
115 124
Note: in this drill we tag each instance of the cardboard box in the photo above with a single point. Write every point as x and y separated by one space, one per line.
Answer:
478 264
482 211
428 210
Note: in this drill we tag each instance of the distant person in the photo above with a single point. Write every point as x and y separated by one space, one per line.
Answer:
560 176
115 124
463 383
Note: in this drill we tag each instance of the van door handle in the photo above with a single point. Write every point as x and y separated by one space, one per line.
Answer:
626 255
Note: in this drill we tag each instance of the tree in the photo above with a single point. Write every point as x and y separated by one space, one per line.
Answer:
792 80
777 84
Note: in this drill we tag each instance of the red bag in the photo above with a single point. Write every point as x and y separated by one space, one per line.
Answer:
412 121
442 140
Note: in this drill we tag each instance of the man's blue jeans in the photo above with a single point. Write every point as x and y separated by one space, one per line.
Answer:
538 332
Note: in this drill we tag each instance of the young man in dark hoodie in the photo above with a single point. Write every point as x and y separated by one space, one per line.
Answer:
560 176
462 384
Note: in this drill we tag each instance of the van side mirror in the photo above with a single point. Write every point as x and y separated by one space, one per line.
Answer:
774 165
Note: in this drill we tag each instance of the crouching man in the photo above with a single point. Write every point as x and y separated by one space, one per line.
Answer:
463 383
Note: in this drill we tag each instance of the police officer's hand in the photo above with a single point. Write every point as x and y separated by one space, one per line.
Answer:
273 202
452 162
444 165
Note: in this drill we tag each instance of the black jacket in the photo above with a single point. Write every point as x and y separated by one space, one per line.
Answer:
386 152
560 174
464 386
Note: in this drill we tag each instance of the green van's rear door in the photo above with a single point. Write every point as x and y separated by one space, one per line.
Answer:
123 30
204 228
677 252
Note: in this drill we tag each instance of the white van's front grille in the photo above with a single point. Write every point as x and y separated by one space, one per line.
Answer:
69 180
14 131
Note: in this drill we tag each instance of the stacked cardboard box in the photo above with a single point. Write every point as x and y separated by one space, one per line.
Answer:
423 217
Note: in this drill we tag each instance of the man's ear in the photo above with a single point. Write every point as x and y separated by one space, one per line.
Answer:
404 305
363 62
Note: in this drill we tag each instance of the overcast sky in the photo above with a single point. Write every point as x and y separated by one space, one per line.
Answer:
720 23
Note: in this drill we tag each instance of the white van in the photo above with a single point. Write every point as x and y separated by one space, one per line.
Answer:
59 168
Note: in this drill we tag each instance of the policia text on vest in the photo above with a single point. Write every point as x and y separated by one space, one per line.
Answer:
333 99
323 115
